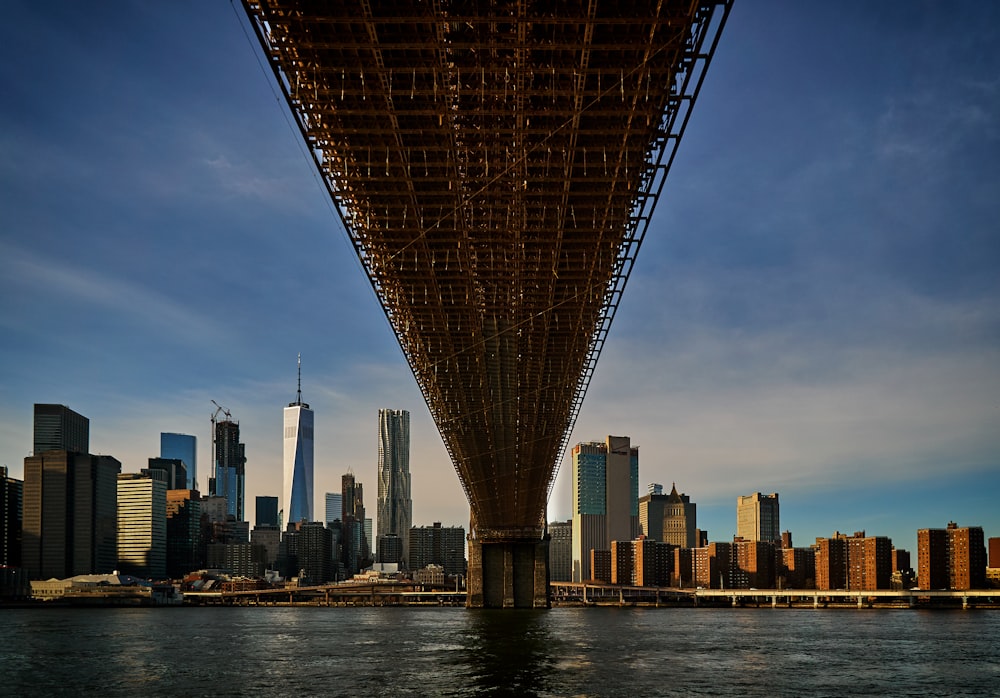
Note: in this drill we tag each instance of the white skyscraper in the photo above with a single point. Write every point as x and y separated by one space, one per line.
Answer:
395 508
297 498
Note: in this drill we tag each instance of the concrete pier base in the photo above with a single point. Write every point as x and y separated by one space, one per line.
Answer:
508 574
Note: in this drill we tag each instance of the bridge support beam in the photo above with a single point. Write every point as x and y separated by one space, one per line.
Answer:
508 574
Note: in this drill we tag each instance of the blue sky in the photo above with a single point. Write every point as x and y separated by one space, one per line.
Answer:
815 310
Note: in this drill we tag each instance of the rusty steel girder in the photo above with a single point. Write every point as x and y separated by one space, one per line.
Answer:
495 165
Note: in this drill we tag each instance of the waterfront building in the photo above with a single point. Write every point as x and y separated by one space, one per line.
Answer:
757 518
869 562
239 559
684 572
268 538
853 562
704 568
70 521
994 553
605 499
797 569
11 502
751 565
183 447
58 428
642 562
831 562
438 545
170 471
267 513
334 507
230 467
307 550
431 575
394 506
600 566
561 551
298 452
951 558
185 551
142 526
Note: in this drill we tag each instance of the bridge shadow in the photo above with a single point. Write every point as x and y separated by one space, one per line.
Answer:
509 652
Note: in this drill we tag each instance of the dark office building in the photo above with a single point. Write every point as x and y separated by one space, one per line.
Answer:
172 471
58 428
184 546
306 549
438 545
70 523
11 497
267 512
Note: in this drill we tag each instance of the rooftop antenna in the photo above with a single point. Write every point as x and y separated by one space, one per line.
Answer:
298 397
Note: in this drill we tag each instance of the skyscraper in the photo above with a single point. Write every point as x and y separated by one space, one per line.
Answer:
11 498
356 552
230 466
298 472
757 518
605 498
169 470
334 507
182 447
58 428
395 508
142 526
70 509
669 518
267 512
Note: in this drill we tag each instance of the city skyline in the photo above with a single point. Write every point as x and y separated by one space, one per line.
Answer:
814 311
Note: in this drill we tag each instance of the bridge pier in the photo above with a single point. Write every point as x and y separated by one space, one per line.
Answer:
508 574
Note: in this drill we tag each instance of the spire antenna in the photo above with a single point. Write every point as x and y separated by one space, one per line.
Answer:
299 394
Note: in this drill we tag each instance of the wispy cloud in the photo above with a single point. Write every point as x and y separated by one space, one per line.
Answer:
84 290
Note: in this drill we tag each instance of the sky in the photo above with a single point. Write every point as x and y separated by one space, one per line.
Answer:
815 310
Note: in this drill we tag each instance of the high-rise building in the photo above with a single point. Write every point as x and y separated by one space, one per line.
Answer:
58 428
307 548
172 471
183 447
438 545
142 526
230 466
185 551
11 500
356 551
757 518
993 561
561 551
297 497
605 499
869 562
334 507
670 518
267 512
951 558
395 508
70 514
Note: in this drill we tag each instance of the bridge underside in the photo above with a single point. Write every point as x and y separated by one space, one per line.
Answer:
495 165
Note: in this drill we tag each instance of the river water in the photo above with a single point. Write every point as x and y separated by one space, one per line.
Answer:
298 651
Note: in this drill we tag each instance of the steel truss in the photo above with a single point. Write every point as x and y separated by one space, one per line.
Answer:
496 165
